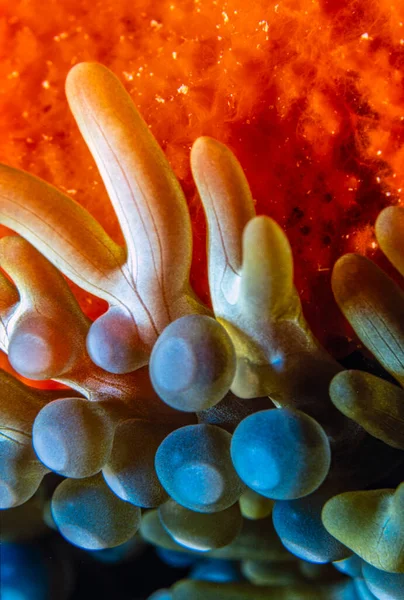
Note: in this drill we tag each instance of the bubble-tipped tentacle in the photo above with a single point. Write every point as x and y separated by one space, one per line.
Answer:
300 528
207 590
57 226
371 524
383 584
281 453
89 514
20 470
200 531
130 470
192 364
229 206
256 541
194 466
44 332
74 437
374 305
376 404
253 296
389 229
146 284
144 191
254 506
261 573
44 328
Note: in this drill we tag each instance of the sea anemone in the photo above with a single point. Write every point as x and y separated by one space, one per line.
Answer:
241 405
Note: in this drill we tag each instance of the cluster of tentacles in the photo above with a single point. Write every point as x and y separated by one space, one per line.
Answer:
213 419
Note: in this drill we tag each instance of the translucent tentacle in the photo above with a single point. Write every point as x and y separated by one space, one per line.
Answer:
390 235
374 305
89 515
229 206
20 471
9 298
377 405
46 332
144 191
205 590
371 524
199 531
251 282
57 226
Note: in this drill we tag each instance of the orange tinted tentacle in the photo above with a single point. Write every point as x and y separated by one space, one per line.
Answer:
144 191
60 229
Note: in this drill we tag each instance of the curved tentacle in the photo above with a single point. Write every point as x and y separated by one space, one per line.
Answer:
253 296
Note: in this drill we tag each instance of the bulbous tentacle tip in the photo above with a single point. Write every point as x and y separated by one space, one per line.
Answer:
370 523
8 497
82 70
16 493
387 586
375 404
45 328
299 526
264 448
37 350
73 437
389 229
20 472
92 517
374 305
200 531
253 506
130 471
198 350
267 273
114 343
194 466
207 147
345 278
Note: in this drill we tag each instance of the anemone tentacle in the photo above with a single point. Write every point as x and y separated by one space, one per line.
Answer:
243 396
